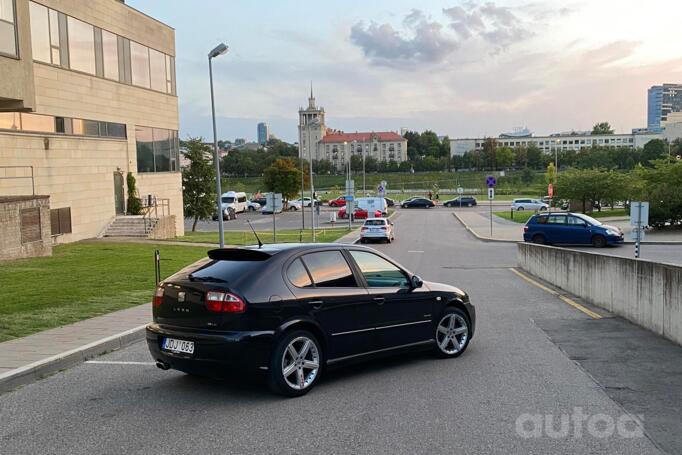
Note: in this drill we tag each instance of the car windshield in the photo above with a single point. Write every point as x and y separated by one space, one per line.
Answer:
374 223
589 219
228 200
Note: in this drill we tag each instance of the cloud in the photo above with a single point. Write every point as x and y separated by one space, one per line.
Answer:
423 41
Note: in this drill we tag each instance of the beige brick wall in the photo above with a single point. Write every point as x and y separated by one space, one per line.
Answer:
11 246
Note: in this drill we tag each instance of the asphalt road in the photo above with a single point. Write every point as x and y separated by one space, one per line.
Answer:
515 371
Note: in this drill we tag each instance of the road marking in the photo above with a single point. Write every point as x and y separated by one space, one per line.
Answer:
111 362
414 251
563 298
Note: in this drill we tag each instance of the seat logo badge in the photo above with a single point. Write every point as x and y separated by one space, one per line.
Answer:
181 296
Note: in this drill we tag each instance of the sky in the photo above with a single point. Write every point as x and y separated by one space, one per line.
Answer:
461 68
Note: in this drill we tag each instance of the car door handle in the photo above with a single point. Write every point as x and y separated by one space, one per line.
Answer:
379 300
315 303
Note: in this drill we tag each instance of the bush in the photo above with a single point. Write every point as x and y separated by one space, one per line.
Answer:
134 203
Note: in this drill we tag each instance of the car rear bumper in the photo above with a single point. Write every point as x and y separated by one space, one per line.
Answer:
215 352
374 235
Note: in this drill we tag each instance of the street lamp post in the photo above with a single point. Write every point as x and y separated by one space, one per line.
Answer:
364 152
220 49
302 187
312 194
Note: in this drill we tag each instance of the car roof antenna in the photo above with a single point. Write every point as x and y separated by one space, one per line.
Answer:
260 244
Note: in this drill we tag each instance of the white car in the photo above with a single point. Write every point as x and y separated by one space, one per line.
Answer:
294 205
305 202
529 204
252 206
377 229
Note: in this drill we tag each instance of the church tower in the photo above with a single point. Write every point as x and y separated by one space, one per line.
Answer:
311 128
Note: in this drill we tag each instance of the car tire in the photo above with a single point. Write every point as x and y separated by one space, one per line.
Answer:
469 205
452 333
599 241
287 356
252 209
404 206
539 239
520 209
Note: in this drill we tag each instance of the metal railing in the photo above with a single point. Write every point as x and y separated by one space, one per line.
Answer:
151 208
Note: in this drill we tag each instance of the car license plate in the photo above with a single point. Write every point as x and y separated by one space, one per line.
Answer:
173 345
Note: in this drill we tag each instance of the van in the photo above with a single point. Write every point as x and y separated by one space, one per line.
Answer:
371 204
234 199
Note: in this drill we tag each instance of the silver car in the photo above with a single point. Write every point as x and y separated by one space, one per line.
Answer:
529 204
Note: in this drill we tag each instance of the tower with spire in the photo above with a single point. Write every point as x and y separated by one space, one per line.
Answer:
311 128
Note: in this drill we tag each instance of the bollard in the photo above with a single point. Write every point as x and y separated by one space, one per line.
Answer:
512 212
157 266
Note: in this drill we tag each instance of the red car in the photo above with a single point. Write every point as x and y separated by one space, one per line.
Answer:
359 214
338 202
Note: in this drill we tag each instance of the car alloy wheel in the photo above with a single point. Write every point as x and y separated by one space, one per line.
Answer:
295 364
452 333
598 241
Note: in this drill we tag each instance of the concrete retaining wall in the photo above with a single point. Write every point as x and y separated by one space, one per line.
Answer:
644 292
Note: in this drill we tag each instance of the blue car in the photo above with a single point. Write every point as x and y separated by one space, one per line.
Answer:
570 228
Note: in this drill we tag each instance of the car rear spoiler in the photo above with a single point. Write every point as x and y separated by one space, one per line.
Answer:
238 254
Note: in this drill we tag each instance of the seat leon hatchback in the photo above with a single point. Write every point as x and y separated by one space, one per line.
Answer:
291 311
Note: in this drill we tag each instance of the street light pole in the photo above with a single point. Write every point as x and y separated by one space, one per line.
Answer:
312 193
220 49
364 189
302 187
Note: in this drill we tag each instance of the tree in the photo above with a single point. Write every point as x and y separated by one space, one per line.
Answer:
488 156
588 185
534 156
198 180
602 128
520 157
504 157
134 203
283 176
653 150
550 176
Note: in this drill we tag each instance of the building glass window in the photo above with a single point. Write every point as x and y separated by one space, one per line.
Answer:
139 56
8 31
157 149
54 38
81 46
40 33
110 55
157 69
38 123
10 121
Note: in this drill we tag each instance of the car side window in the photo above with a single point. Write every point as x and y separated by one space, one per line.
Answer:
575 221
378 272
559 219
329 269
541 220
298 275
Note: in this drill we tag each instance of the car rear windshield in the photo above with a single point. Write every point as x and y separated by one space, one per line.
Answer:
225 271
374 223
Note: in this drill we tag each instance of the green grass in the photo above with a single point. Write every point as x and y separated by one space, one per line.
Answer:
247 237
82 280
606 213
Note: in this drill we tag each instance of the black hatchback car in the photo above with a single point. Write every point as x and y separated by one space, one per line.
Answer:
292 310
461 201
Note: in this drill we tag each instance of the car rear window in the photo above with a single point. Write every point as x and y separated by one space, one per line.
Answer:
225 271
540 220
329 269
374 223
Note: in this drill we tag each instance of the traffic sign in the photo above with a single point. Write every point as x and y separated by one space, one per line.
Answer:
491 193
349 198
637 235
380 189
490 181
550 190
460 190
639 213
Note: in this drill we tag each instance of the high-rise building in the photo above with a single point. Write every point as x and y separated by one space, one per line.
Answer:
263 133
87 95
662 101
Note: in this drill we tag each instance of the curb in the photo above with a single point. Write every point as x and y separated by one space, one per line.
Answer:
42 368
480 237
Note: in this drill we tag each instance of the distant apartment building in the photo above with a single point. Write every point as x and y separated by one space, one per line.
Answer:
263 133
87 94
338 146
561 141
662 101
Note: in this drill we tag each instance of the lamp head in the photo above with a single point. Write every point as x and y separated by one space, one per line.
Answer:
220 49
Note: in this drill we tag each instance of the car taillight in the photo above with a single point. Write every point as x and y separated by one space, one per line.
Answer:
525 229
363 228
158 297
224 302
383 228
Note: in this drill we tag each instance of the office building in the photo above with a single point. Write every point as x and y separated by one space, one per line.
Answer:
563 141
87 95
263 133
662 101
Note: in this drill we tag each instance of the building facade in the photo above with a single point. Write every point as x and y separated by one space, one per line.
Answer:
263 133
87 94
563 141
318 142
662 100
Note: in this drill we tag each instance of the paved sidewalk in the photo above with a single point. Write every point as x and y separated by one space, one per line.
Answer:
27 359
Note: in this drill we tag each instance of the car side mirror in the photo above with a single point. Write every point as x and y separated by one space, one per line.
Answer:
416 282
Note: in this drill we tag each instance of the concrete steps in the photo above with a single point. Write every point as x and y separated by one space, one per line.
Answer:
130 226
